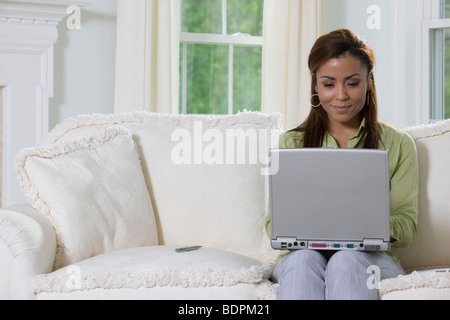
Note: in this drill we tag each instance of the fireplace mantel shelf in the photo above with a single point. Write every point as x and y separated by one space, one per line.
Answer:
38 12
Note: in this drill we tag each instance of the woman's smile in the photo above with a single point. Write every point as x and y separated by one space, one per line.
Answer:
341 108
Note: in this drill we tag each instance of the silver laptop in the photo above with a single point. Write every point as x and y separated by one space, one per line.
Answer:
329 199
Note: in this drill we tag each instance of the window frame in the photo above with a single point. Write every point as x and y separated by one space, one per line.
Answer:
432 70
237 39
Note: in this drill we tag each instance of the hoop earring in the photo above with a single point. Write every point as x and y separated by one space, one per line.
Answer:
314 105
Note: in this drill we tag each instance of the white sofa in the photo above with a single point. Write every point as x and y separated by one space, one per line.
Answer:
110 197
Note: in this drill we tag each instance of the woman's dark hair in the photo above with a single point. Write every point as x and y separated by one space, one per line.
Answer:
334 45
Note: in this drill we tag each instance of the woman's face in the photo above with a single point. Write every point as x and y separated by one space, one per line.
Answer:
342 85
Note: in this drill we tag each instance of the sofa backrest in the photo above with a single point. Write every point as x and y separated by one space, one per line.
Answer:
200 201
206 175
430 248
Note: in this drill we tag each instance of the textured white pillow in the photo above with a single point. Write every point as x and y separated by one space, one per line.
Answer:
92 191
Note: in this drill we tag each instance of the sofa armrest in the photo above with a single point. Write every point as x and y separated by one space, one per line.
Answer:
27 248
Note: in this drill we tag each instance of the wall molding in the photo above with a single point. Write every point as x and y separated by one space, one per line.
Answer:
28 32
39 12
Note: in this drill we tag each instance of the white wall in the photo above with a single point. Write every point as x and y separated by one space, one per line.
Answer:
85 64
395 41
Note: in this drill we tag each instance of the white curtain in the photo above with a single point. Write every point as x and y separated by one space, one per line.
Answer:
147 55
290 30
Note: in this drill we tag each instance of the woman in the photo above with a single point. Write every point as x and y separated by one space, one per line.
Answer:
344 115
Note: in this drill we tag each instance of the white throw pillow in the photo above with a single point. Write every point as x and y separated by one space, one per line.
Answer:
93 192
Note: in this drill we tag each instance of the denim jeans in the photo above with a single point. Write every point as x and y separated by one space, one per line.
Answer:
309 275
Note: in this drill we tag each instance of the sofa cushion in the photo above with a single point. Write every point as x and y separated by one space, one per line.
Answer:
93 192
205 174
424 285
147 272
430 248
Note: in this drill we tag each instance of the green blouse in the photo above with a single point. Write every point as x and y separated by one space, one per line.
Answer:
404 178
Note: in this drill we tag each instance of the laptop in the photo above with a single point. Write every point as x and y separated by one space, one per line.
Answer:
329 199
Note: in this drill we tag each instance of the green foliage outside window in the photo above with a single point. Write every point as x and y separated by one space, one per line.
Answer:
207 64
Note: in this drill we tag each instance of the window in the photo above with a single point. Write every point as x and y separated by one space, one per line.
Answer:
446 41
437 31
220 56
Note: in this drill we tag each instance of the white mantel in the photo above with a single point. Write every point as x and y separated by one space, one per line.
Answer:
27 35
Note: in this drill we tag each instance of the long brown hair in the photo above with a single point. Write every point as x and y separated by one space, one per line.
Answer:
334 45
